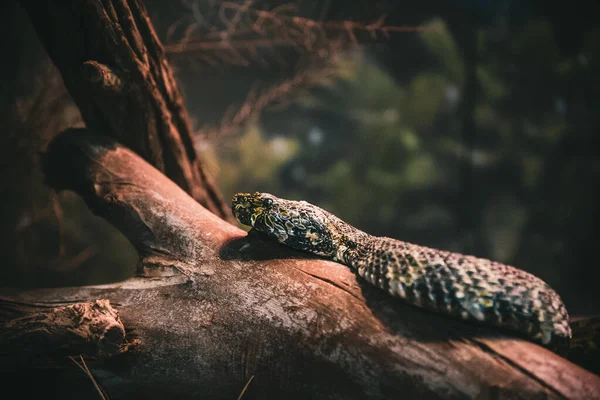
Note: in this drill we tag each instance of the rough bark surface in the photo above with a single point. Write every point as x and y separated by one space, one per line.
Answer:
43 334
212 307
115 69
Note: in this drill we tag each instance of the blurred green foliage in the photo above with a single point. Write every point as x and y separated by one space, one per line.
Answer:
250 161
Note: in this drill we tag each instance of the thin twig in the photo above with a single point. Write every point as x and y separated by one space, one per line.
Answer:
257 101
68 263
250 29
83 366
245 388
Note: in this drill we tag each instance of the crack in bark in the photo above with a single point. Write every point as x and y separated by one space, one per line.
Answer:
487 349
331 282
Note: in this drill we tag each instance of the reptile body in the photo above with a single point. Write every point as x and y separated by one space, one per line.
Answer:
467 287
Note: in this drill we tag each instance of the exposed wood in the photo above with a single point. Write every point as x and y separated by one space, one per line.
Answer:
115 69
213 306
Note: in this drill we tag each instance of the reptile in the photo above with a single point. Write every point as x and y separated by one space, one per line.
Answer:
462 286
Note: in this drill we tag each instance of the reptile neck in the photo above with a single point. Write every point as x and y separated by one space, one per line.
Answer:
350 252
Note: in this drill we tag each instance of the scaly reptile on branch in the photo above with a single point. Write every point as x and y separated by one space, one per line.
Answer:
467 287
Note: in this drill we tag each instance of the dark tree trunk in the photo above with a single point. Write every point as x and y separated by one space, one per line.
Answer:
212 307
115 69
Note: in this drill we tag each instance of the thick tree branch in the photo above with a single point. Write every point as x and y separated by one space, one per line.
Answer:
115 69
212 307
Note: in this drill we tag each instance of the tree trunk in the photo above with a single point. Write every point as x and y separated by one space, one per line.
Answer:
212 307
115 69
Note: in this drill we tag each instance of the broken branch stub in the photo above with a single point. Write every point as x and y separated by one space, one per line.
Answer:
44 336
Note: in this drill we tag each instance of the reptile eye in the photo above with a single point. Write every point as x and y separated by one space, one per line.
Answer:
267 202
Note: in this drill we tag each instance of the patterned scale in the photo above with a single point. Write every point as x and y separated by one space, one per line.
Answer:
463 286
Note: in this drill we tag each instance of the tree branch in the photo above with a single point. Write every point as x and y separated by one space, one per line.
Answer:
211 307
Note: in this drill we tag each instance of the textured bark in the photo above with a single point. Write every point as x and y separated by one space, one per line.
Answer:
44 335
115 69
212 307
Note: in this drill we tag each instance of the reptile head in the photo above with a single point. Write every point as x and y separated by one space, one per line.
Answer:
297 224
250 208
